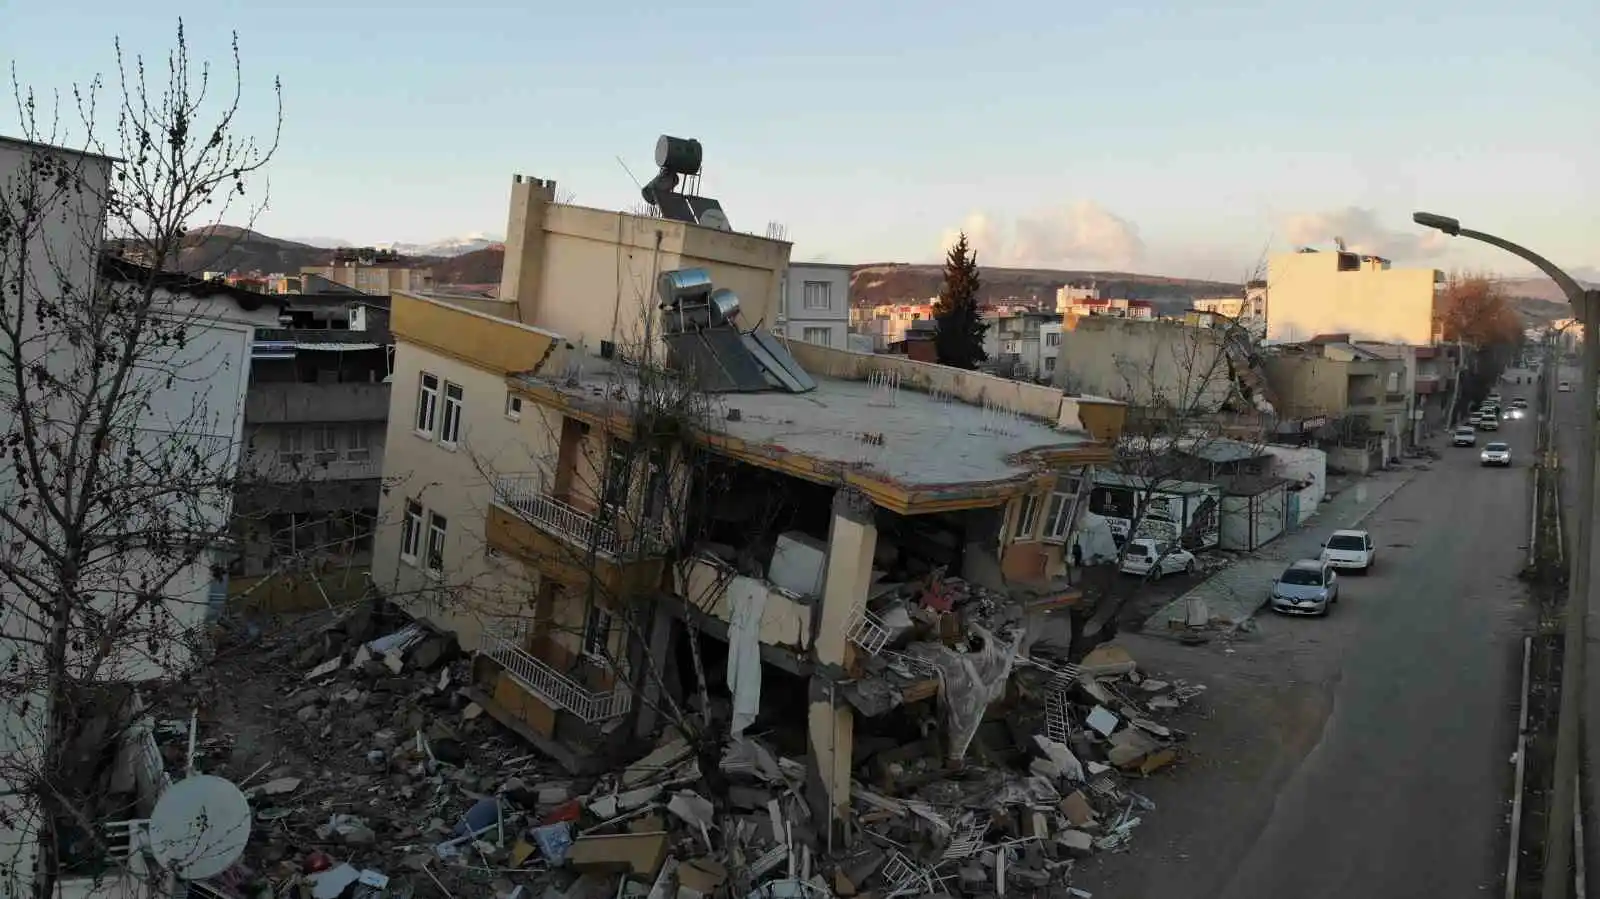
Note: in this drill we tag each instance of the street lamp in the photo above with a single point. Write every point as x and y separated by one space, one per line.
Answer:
1558 855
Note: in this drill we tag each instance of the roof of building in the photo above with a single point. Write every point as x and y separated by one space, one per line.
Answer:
116 268
37 145
911 438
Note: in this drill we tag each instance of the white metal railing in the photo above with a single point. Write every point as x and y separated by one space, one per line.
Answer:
866 630
555 688
527 497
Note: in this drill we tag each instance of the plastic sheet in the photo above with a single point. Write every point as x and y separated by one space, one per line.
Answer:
969 682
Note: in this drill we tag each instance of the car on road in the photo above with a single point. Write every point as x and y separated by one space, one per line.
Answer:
1564 387
1493 398
1307 587
1464 436
1146 553
1488 421
1496 454
1351 550
1519 402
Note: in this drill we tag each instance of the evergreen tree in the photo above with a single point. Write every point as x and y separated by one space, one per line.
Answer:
959 341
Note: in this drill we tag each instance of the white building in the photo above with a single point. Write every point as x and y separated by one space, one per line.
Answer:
816 303
193 400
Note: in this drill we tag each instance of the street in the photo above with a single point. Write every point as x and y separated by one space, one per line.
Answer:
1365 754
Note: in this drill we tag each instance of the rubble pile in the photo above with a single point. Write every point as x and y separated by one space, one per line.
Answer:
989 771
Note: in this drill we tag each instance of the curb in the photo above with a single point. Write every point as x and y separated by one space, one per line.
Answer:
1379 504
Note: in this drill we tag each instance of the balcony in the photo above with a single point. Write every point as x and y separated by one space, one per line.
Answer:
302 403
710 586
571 545
553 688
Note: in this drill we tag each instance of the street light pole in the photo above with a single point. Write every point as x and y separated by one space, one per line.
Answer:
1585 303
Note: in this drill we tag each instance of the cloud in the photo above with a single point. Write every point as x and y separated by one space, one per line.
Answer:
1364 233
1083 234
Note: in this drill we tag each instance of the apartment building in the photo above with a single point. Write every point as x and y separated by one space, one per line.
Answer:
1116 307
1015 341
372 271
1332 379
316 416
1311 292
1248 311
815 306
186 429
886 324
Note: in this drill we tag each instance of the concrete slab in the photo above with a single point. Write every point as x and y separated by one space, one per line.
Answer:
1237 592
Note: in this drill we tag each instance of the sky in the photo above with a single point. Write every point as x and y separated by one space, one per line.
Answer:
1146 135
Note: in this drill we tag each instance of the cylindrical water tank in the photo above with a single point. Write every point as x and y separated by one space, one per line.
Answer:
686 282
678 154
725 305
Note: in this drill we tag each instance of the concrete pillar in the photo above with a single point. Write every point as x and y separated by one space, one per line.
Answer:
656 656
852 540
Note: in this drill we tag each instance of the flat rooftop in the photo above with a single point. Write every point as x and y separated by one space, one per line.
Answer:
914 439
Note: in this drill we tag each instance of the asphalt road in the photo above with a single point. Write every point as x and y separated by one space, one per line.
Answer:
1378 765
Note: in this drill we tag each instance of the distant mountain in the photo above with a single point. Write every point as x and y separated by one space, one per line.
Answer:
1543 288
225 248
450 246
898 282
476 267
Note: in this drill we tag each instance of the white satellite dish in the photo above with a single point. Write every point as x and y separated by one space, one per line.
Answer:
715 218
199 827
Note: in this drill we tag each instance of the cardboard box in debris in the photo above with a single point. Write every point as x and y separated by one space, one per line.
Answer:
407 788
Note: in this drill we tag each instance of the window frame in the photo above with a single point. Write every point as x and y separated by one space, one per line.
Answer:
513 408
806 333
425 417
412 517
1027 518
1063 510
454 409
324 444
825 291
438 527
359 448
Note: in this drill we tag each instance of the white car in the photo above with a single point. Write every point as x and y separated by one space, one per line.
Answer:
1351 550
1564 387
1465 436
1488 421
1496 454
1143 552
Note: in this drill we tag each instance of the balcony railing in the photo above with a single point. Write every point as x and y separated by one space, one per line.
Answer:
556 689
527 498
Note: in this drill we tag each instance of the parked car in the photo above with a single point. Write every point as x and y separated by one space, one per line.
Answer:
1493 398
1464 436
1564 387
1353 550
1307 587
1496 454
1488 421
1143 552
1519 402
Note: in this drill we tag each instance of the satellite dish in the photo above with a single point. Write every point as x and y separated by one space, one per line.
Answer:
199 827
715 218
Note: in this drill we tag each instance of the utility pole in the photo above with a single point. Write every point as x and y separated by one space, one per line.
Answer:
1558 878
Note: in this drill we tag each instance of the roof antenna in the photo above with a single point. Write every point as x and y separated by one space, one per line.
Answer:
629 173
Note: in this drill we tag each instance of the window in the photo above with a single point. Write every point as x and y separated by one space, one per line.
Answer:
427 404
1028 518
450 427
1063 510
818 295
821 336
1049 363
437 526
411 532
325 444
596 634
294 447
1052 338
358 450
513 407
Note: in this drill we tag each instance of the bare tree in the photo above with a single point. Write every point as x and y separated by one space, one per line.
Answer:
120 461
1187 396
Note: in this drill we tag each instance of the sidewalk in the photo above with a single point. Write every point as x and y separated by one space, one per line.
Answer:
1236 592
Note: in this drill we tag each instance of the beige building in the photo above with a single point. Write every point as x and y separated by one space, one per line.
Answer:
1147 364
1335 379
1311 293
372 271
569 513
589 274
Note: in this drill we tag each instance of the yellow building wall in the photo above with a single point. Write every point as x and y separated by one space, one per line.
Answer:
1307 296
